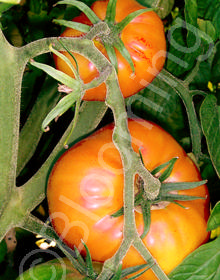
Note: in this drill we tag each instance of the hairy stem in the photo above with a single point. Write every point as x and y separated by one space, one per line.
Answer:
182 90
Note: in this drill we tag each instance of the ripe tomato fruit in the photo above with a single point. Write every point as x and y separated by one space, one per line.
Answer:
143 37
86 187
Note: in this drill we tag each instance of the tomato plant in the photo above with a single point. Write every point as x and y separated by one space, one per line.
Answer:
86 187
143 37
183 99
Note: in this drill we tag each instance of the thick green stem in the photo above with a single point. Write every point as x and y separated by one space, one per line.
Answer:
132 165
10 83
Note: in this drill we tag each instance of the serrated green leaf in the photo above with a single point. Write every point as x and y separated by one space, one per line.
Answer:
202 264
210 121
214 219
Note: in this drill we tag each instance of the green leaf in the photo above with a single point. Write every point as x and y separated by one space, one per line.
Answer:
54 269
5 7
11 1
202 264
215 71
208 30
214 219
3 250
210 120
31 132
210 10
58 75
84 8
62 106
74 25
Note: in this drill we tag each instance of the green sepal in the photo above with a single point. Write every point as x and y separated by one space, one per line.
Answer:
74 25
180 197
133 269
79 257
90 271
118 274
146 213
177 186
168 170
140 273
62 106
82 7
112 55
111 12
121 25
118 213
57 74
163 165
124 52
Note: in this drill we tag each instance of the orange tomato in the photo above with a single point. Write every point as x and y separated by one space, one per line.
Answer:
86 186
144 39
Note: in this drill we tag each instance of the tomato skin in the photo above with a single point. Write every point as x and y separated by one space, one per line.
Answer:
86 187
145 40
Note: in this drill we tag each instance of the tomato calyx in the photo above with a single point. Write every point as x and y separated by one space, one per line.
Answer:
168 194
110 34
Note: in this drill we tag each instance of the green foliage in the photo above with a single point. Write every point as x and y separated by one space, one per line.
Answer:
214 220
202 264
210 119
